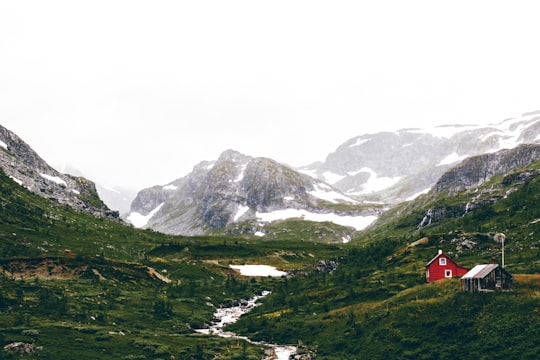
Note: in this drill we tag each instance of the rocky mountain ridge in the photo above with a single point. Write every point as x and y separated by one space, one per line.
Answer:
233 189
382 168
20 162
392 167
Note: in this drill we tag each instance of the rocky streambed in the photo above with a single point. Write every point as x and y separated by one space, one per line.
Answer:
228 315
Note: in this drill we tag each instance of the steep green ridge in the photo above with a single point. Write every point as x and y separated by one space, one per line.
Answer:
376 304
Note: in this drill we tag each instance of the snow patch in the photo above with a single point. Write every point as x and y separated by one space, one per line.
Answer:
241 175
241 211
76 192
324 192
354 173
138 220
331 177
359 142
376 183
412 197
54 179
259 234
357 222
17 181
258 270
452 158
445 131
170 187
288 198
3 144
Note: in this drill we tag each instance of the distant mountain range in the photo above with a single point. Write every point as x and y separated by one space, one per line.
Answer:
365 176
392 167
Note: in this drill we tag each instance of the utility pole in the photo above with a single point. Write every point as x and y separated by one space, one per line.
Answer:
500 237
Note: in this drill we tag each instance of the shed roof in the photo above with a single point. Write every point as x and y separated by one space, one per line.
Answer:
480 271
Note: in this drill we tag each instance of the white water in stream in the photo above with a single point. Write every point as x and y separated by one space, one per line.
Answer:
229 315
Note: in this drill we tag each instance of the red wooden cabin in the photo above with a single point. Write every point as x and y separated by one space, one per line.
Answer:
443 267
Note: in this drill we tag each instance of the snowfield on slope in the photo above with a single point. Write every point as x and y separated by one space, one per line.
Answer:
138 220
357 222
258 270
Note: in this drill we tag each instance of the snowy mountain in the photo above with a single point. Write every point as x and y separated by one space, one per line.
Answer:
24 166
391 167
240 189
361 176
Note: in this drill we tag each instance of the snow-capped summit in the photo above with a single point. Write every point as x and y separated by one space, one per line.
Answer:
396 166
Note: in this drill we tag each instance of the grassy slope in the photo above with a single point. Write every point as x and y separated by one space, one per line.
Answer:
377 304
100 300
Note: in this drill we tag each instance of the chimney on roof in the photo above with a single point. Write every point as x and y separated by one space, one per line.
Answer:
440 251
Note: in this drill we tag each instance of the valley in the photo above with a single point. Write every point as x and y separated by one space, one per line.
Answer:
86 284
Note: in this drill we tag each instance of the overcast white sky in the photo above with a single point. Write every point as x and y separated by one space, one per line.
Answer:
135 93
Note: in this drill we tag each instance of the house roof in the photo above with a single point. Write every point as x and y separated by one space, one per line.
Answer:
438 256
480 271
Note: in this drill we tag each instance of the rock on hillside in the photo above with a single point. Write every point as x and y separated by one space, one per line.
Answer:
233 189
20 162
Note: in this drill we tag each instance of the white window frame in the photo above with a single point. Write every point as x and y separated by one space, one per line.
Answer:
447 273
442 261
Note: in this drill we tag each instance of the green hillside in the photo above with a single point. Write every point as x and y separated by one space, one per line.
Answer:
75 286
376 304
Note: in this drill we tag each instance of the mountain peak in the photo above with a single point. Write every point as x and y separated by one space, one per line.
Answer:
236 188
233 155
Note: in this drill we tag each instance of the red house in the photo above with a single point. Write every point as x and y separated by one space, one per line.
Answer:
443 267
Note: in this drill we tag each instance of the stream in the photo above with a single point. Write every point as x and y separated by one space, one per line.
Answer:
229 315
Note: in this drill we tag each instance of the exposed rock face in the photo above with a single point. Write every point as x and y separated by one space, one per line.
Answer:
232 189
394 166
477 170
26 167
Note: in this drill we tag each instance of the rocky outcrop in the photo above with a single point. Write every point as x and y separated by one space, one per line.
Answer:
472 173
22 348
475 171
20 162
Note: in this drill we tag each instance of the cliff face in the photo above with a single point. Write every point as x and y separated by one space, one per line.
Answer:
467 180
477 170
20 162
